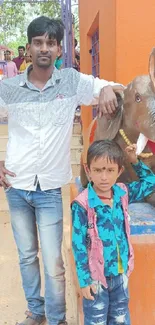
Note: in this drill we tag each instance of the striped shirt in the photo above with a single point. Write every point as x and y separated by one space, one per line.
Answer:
40 125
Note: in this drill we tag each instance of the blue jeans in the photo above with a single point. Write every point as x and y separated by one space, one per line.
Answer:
40 210
110 306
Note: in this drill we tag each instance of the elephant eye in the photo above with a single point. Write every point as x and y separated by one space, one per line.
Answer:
138 98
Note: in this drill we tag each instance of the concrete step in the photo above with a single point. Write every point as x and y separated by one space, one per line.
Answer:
76 140
3 142
3 129
76 153
77 128
75 169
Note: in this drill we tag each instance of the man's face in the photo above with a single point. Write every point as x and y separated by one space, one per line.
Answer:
103 173
44 51
21 53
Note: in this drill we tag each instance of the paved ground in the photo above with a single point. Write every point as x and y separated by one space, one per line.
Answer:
12 301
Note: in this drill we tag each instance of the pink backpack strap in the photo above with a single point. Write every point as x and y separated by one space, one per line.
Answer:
82 199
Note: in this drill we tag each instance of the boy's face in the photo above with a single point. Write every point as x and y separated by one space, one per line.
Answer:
104 173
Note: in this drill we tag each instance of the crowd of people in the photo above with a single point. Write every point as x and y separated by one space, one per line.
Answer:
19 64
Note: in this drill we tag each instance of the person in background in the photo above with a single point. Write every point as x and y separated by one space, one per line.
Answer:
59 60
20 58
77 56
11 69
26 63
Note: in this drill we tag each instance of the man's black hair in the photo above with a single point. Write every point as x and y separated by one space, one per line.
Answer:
21 48
54 28
105 148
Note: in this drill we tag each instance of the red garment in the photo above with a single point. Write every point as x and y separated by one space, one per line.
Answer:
18 61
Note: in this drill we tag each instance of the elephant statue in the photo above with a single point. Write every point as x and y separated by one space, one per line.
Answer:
133 122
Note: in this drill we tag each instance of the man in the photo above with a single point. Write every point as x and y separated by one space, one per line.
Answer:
11 69
20 58
41 104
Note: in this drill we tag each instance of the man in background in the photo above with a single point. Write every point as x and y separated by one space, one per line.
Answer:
20 58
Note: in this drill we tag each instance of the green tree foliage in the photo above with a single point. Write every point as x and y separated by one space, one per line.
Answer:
16 15
49 8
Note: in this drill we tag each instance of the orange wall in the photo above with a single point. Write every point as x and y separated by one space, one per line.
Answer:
106 22
90 19
126 34
135 37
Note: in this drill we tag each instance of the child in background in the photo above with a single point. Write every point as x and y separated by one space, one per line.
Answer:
11 69
101 233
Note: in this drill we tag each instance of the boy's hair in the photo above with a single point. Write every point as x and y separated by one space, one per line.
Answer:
21 48
54 28
105 148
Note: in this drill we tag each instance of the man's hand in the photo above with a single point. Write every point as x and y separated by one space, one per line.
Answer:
3 172
131 153
107 101
87 292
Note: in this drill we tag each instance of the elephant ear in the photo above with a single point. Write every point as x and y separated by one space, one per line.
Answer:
152 67
107 128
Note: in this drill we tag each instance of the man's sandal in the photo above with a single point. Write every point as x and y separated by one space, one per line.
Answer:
30 320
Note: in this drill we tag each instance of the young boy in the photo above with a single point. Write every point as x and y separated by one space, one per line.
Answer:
101 233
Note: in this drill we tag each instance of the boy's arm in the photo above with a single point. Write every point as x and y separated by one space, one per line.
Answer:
146 185
79 244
